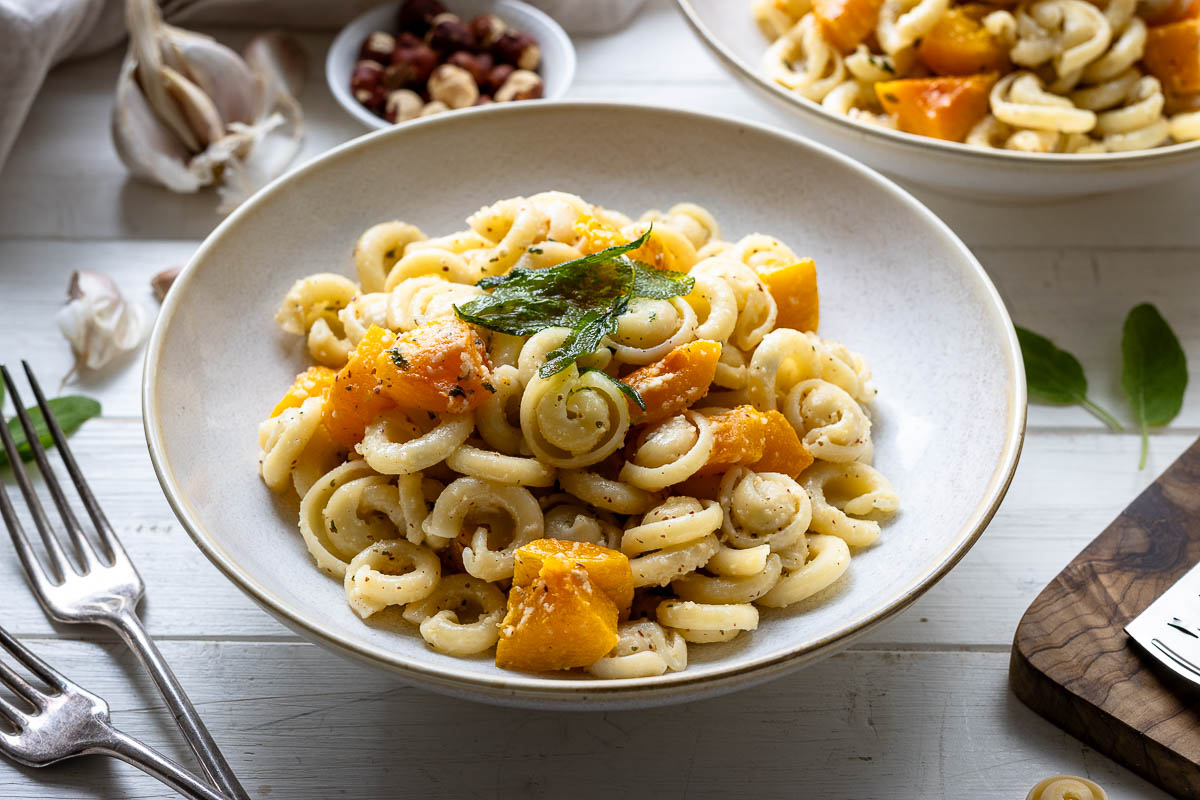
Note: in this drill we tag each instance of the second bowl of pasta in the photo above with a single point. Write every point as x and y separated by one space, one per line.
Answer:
570 431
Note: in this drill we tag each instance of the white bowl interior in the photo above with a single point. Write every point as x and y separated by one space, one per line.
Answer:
558 54
990 174
896 285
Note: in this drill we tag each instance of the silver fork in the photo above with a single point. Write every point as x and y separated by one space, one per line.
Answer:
91 589
70 721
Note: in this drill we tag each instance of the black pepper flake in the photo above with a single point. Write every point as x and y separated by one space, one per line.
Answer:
456 391
487 385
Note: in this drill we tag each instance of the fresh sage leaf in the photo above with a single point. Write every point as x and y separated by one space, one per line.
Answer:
1153 370
1055 376
585 338
625 389
70 411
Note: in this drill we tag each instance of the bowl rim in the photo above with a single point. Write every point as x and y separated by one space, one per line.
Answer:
524 689
336 81
1175 152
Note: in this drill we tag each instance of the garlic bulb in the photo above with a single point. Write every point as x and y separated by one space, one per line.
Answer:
190 112
98 322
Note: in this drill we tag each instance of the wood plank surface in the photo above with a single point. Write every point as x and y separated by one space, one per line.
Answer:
1072 661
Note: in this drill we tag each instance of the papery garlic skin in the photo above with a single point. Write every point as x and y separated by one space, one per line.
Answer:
98 322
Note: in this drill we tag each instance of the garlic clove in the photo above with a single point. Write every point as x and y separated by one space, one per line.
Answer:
97 320
198 108
143 20
216 69
147 147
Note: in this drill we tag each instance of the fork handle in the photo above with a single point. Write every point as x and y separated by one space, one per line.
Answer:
129 626
150 761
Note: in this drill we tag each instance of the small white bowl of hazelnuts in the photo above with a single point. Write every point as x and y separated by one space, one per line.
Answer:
415 58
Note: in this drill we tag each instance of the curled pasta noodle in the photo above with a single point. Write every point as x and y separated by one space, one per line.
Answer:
513 225
1185 127
492 466
378 250
498 419
311 307
562 210
390 573
707 622
644 649
1072 33
571 420
1140 124
547 254
734 562
331 554
442 615
671 453
988 132
822 561
843 495
731 368
870 68
663 566
801 60
1018 99
412 451
457 243
1107 93
763 508
772 20
759 250
568 521
833 426
424 261
494 511
746 302
418 301
702 588
651 328
1066 787
411 495
676 521
361 313
1125 52
692 221
283 438
504 349
320 455
903 22
783 359
606 493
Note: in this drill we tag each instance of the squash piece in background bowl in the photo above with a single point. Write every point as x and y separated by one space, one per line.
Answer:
1173 56
943 108
959 44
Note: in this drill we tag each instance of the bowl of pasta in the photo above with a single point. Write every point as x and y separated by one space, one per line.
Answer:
1012 100
521 437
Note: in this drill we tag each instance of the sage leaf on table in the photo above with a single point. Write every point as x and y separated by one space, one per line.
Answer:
70 411
1153 370
1055 376
586 295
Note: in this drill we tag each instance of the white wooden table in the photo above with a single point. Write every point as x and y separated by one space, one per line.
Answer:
919 709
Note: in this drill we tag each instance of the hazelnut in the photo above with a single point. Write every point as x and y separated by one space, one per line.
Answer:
518 49
497 75
365 79
453 86
410 65
487 29
415 15
378 47
407 39
435 107
448 33
402 105
478 65
521 85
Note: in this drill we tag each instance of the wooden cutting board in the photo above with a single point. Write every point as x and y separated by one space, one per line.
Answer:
1072 662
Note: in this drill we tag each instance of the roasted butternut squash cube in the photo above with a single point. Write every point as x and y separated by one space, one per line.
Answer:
313 382
675 381
958 44
846 23
785 452
441 367
1171 11
560 621
608 570
739 438
1173 56
794 289
943 108
355 400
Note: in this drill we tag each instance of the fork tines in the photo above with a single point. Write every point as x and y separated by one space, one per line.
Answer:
86 557
21 687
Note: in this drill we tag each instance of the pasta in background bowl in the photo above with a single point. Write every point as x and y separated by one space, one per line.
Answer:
945 427
1038 113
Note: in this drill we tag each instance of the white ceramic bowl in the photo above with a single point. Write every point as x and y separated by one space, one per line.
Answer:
558 54
728 29
896 285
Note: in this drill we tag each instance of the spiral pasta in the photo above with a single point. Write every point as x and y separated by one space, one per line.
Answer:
441 465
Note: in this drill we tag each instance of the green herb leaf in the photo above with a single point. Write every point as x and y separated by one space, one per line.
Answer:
1153 370
1055 376
71 412
586 295
625 389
